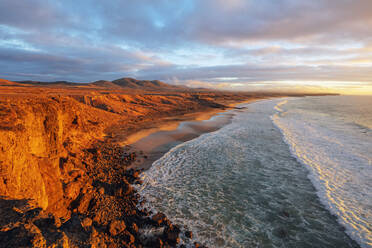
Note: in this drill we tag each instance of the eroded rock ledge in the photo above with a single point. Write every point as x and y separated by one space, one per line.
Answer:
64 182
104 213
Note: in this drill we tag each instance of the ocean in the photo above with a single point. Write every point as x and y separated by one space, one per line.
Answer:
288 172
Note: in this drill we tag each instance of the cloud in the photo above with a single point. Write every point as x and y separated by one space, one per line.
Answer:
194 41
303 21
252 73
82 64
33 15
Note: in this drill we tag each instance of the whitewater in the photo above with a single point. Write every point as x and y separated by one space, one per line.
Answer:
292 172
332 137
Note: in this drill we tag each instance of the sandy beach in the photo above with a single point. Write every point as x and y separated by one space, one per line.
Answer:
75 151
70 158
156 141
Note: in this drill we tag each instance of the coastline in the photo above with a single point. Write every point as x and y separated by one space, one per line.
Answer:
173 165
84 193
69 161
154 142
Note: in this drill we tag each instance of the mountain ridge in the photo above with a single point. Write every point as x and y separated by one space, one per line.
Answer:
121 83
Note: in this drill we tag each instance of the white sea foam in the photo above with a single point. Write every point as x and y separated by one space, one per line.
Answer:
241 187
339 157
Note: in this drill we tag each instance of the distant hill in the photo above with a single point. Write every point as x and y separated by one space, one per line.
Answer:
61 83
132 83
122 83
104 84
4 82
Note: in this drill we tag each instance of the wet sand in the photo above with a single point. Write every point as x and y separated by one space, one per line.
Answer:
155 142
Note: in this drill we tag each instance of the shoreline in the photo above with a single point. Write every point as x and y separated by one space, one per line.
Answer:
172 122
154 142
85 193
68 174
165 207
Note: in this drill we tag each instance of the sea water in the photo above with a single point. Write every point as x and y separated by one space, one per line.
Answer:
292 172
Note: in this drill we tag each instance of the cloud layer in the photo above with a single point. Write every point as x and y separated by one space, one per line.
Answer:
236 42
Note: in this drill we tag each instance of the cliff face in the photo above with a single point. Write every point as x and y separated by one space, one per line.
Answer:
42 137
62 181
37 135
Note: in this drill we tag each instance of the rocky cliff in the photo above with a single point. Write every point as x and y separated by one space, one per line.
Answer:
63 182
38 136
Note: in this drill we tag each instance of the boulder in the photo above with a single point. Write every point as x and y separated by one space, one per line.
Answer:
86 222
159 218
188 234
84 202
171 235
101 190
117 227
72 189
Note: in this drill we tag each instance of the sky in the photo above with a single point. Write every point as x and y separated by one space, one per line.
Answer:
282 45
